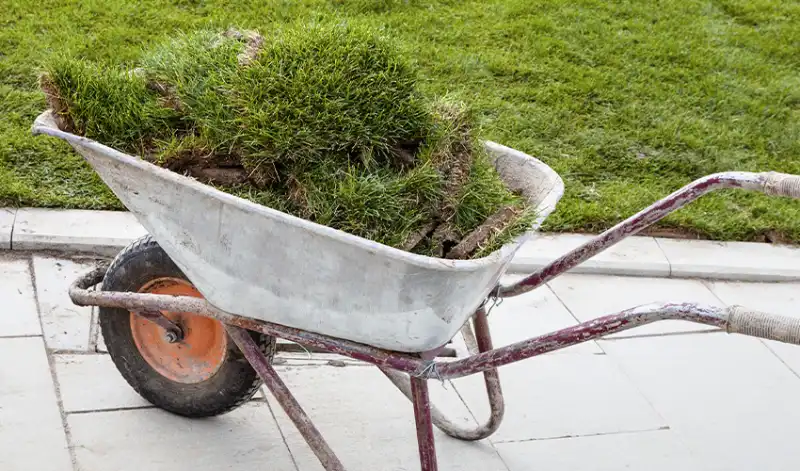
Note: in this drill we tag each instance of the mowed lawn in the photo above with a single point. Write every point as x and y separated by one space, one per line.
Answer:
627 100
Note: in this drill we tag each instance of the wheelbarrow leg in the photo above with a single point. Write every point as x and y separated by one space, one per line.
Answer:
284 397
422 415
480 341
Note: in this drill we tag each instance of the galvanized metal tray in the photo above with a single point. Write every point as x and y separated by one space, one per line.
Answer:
253 261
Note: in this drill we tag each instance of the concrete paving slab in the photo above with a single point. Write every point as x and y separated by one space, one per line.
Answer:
151 439
742 261
591 296
535 313
639 256
66 326
659 450
96 232
775 298
7 216
370 424
563 396
31 433
19 315
109 389
729 398
92 382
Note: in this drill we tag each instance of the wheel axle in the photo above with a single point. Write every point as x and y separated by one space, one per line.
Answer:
173 337
173 332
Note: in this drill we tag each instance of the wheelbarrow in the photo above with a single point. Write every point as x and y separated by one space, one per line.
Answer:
190 313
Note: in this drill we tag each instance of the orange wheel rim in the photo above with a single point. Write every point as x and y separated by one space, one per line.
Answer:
201 352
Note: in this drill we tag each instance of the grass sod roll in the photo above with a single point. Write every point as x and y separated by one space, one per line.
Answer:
325 122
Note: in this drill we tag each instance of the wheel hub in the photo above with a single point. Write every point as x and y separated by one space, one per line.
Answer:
195 357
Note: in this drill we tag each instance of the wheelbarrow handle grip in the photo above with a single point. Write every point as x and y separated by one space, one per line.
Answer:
782 184
766 326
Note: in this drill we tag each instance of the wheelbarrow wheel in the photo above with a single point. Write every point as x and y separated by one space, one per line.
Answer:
200 375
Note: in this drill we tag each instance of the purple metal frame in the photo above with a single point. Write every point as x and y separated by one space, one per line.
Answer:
285 398
762 182
482 343
413 365
410 372
422 416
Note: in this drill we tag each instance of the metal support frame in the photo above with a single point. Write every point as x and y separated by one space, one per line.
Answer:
412 364
285 398
405 362
769 183
487 360
483 357
422 416
482 343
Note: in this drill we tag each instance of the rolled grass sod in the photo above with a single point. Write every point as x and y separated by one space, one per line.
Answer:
323 121
626 100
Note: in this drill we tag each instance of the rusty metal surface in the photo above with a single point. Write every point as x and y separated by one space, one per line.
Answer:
420 370
285 398
422 417
763 182
491 377
440 419
493 392
583 332
408 363
404 362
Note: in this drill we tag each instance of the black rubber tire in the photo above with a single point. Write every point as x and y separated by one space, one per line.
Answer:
234 383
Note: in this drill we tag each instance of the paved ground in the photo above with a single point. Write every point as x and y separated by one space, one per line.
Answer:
672 396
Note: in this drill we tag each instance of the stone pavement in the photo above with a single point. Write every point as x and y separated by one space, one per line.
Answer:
670 396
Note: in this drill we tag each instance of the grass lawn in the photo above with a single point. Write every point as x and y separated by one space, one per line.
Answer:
627 100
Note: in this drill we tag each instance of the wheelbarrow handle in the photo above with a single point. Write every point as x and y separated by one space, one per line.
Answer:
763 325
782 184
769 183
